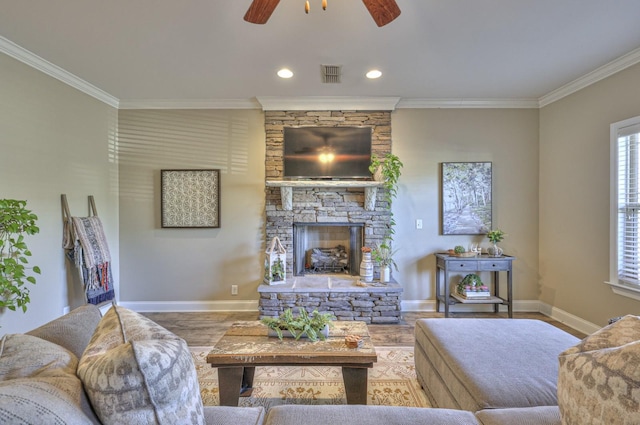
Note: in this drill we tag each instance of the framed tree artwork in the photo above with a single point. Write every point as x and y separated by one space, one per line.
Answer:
466 198
190 198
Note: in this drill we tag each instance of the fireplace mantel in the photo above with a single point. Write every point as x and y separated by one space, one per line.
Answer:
287 186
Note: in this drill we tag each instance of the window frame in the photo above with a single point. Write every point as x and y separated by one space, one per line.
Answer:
621 288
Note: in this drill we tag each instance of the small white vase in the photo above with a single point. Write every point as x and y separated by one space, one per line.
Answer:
385 274
495 250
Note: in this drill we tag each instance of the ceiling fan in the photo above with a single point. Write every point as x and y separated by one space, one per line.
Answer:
382 11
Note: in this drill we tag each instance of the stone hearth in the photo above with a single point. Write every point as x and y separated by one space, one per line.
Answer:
374 303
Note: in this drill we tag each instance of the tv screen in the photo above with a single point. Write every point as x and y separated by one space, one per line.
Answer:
327 152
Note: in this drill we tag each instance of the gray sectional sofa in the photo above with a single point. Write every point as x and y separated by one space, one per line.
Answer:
477 372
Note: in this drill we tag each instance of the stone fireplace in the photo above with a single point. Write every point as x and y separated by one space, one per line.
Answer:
330 214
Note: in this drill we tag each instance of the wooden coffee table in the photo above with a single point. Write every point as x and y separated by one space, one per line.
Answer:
246 345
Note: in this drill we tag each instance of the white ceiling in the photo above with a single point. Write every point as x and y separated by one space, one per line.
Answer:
202 50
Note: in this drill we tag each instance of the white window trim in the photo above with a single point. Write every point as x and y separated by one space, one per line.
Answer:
617 287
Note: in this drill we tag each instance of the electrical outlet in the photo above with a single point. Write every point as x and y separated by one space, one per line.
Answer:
418 224
234 289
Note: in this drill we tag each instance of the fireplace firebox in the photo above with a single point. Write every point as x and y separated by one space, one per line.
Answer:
327 248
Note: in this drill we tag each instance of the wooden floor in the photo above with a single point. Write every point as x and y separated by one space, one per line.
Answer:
204 329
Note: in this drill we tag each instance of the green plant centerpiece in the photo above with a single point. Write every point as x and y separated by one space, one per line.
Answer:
15 222
305 324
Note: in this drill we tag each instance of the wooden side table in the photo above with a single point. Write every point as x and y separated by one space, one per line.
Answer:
446 264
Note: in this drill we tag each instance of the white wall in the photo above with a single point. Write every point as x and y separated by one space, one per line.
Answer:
191 268
423 139
53 140
574 197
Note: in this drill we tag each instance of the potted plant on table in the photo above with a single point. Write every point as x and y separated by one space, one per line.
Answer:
496 236
314 326
15 222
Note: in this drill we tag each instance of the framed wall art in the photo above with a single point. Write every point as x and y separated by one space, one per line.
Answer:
190 198
466 198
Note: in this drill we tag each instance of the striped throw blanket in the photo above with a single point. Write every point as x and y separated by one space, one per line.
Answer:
87 247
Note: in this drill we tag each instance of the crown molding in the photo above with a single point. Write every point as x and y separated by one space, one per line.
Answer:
362 103
467 103
592 77
13 50
322 103
190 104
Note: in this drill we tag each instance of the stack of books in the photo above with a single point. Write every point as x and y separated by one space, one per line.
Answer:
473 294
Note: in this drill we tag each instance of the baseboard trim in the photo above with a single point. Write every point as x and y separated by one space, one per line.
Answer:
521 306
189 306
568 319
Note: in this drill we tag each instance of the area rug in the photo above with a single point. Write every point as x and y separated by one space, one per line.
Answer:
392 382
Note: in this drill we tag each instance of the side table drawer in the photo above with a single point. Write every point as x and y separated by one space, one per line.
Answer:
462 265
494 265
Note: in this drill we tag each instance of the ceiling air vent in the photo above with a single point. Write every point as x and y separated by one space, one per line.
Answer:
331 73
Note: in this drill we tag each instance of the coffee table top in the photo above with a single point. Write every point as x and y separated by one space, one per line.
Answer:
247 344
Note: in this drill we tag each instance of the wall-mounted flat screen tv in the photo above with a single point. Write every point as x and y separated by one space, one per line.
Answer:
327 152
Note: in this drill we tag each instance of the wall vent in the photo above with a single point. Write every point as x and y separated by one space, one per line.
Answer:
331 73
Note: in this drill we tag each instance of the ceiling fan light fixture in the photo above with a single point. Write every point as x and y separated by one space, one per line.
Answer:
382 11
373 74
285 73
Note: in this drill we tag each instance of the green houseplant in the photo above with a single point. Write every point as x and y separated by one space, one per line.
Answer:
15 222
383 254
312 325
496 236
387 170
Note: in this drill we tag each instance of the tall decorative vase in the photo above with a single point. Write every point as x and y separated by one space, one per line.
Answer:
385 274
366 267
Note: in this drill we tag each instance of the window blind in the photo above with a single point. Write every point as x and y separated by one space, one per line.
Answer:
628 205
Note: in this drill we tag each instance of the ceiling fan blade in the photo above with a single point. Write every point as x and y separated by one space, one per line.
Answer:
260 10
382 11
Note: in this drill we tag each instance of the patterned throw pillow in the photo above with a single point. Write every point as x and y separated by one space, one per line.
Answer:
599 379
38 383
137 372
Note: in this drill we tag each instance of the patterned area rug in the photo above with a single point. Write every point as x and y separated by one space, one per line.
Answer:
392 382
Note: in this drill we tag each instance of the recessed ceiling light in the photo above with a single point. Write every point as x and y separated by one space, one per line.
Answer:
285 73
373 74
